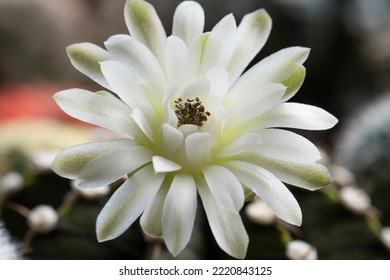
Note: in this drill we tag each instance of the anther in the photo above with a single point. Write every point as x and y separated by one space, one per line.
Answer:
191 112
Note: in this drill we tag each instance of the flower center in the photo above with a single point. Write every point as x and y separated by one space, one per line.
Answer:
190 112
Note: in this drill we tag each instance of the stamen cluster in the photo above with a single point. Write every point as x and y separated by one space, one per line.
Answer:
191 112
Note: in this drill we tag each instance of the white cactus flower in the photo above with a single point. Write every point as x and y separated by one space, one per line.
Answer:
198 125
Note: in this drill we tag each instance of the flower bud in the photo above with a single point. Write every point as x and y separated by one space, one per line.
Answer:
341 175
385 237
301 250
93 193
42 219
10 183
42 160
259 212
355 199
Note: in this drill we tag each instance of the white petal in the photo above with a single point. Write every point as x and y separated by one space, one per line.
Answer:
145 25
125 85
172 138
219 81
179 213
246 142
200 87
288 146
112 165
252 33
162 165
127 203
70 161
198 148
225 187
255 102
138 58
188 21
140 119
220 44
294 82
296 115
270 189
310 176
226 225
151 219
86 58
272 69
178 62
102 109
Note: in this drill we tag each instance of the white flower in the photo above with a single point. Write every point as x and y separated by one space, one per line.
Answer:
198 125
42 219
301 250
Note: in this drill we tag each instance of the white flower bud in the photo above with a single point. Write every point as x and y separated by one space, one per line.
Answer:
342 175
385 237
10 183
8 249
93 193
42 219
259 213
301 250
42 160
355 199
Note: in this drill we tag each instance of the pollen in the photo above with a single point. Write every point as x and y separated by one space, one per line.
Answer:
190 112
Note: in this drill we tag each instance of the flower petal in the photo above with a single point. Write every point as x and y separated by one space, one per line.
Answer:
86 58
220 44
245 142
272 69
270 189
219 81
70 161
179 213
296 115
126 86
294 82
177 60
172 138
312 176
288 146
127 203
145 25
163 165
198 148
254 103
142 63
140 119
252 33
112 165
188 21
151 219
226 225
224 186
102 109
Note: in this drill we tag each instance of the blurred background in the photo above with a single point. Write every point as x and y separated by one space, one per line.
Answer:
348 74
